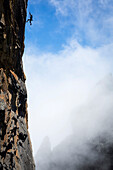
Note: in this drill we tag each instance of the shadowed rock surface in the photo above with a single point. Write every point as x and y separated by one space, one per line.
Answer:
15 145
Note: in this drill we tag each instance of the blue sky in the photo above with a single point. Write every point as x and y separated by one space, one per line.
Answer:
68 49
46 26
56 21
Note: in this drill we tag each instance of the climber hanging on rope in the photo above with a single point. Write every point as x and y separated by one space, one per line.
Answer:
30 19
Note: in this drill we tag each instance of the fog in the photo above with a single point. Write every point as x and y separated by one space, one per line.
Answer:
70 98
91 143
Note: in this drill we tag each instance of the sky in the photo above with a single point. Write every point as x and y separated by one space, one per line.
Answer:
68 49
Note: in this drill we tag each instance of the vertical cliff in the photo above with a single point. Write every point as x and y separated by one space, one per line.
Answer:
15 146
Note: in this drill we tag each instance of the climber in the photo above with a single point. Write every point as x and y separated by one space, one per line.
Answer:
30 19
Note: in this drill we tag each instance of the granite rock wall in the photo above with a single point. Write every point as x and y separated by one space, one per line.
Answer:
15 145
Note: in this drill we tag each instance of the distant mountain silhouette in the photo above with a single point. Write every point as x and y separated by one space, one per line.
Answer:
90 147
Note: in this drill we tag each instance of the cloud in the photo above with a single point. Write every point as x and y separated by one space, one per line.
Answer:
57 83
89 18
91 138
90 142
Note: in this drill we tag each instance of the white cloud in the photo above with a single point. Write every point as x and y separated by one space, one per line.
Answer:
58 83
92 124
63 7
92 19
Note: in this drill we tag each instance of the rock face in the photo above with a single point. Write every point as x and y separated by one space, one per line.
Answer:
15 145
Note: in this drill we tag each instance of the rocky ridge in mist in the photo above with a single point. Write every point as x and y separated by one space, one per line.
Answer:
90 147
15 145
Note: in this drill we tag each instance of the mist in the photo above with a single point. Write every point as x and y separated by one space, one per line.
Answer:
90 144
70 105
68 62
